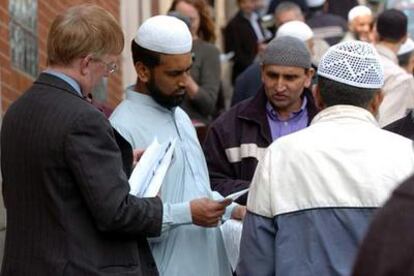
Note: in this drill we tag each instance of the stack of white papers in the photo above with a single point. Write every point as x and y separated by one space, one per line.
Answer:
149 173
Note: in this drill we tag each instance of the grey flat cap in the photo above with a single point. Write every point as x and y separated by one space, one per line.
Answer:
287 51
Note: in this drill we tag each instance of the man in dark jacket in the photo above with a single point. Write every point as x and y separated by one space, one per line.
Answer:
69 211
244 36
237 139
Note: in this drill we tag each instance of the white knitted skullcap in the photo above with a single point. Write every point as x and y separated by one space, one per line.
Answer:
355 63
296 29
164 34
315 3
356 11
407 47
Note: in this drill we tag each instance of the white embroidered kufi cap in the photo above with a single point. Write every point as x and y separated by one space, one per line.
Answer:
296 29
164 34
356 11
407 47
354 63
315 3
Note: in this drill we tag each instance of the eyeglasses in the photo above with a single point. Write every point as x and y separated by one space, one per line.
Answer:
111 67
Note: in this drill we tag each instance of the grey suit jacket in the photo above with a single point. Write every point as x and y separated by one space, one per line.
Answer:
69 211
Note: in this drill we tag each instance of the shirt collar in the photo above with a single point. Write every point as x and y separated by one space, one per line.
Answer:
137 97
273 115
73 83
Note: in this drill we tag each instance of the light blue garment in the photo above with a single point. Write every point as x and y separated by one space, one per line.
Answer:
183 248
67 79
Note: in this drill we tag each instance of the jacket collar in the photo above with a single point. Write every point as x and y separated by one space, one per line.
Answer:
56 82
345 113
255 111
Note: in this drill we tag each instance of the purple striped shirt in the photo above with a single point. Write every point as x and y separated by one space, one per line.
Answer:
297 121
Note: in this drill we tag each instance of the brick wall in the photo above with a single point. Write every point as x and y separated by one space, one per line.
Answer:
14 82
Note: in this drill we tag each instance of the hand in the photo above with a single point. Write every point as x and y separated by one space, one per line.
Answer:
136 156
191 87
206 212
238 212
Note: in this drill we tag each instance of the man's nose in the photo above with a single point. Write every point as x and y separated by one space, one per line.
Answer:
280 84
182 82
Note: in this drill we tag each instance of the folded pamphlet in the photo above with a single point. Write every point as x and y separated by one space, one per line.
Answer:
147 177
238 194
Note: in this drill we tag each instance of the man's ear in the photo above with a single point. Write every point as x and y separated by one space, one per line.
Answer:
143 72
84 65
376 103
309 75
318 99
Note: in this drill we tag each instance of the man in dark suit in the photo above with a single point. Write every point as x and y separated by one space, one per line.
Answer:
244 36
69 211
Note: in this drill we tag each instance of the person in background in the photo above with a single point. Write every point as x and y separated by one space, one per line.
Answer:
341 7
273 5
204 81
360 20
315 191
248 83
244 36
398 89
405 125
324 25
283 104
69 211
406 56
287 11
190 243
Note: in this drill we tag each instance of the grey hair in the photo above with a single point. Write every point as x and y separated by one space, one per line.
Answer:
287 6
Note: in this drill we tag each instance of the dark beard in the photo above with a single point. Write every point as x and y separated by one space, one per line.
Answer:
163 100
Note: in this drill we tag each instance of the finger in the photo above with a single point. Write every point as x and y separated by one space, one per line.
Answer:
214 222
216 214
226 202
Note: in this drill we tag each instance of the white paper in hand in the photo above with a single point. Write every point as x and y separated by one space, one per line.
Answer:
238 194
148 174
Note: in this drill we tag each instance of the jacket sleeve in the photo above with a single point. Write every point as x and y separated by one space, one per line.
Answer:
95 160
223 177
209 83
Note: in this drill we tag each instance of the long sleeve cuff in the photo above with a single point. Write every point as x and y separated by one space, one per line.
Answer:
176 214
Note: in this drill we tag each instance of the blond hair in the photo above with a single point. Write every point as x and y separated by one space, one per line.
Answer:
83 30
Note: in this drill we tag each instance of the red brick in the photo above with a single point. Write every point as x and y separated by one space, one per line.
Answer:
4 17
15 82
